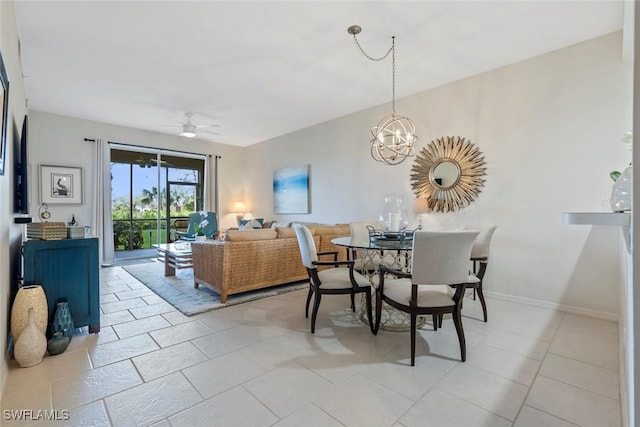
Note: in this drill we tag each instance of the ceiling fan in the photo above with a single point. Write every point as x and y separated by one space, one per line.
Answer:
189 129
150 162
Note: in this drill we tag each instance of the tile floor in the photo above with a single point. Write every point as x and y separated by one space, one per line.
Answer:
257 364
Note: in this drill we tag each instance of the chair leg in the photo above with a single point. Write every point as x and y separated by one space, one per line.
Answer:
435 322
369 311
457 321
474 294
440 317
413 338
306 310
353 302
314 313
482 301
378 313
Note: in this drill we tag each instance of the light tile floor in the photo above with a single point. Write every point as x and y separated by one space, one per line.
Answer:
257 364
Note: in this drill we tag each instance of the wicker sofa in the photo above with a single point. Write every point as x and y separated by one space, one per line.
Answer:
253 259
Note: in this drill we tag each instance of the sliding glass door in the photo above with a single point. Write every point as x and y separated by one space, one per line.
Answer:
151 192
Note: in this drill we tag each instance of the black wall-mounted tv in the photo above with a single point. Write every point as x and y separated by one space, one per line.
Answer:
21 190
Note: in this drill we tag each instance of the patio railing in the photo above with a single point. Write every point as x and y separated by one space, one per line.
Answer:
129 234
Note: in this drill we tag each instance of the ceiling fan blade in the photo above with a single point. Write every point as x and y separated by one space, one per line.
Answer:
207 126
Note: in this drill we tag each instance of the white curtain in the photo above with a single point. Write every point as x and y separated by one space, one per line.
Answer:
101 220
211 202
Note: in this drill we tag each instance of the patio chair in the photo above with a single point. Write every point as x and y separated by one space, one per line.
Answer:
210 229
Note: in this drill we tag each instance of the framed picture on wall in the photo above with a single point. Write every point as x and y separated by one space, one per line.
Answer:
4 103
60 184
291 190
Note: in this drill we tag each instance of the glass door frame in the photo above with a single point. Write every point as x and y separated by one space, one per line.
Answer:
202 186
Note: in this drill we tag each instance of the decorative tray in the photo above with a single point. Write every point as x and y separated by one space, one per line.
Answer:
392 238
389 236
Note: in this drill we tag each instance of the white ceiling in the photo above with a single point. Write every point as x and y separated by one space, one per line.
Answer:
262 69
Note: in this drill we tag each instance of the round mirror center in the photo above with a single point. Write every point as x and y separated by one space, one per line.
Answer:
445 174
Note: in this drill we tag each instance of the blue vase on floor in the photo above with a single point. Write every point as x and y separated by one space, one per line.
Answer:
57 344
62 321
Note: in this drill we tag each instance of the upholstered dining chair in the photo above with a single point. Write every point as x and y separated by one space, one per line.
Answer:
479 261
439 259
329 281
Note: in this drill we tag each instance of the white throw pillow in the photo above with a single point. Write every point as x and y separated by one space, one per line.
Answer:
277 224
251 225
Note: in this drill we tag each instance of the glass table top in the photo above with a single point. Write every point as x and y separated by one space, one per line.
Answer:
379 244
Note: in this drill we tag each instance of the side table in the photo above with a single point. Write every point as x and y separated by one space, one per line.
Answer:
176 256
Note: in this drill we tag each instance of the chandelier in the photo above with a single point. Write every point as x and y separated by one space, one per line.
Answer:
394 137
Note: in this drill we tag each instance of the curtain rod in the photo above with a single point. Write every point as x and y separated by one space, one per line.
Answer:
154 148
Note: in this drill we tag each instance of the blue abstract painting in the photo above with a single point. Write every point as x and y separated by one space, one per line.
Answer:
291 190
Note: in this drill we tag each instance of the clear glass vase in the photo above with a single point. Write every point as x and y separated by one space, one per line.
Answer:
394 215
621 194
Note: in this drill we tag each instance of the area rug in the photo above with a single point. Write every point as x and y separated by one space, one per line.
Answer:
178 290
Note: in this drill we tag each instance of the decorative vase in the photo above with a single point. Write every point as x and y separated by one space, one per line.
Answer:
201 238
394 216
62 321
621 192
57 344
29 296
31 343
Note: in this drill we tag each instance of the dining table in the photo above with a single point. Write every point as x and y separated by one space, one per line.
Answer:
394 251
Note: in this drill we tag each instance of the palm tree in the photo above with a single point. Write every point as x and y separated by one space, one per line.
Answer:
177 196
148 197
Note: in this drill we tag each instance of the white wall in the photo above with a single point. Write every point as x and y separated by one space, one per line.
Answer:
10 233
549 129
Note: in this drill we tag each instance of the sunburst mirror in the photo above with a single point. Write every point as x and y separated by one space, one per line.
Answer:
449 173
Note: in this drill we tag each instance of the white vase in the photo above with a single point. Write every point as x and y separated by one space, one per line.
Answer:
31 344
621 194
29 296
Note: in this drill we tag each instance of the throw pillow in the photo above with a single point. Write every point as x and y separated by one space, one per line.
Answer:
255 223
277 224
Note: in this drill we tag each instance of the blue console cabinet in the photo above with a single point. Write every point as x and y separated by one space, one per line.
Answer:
68 271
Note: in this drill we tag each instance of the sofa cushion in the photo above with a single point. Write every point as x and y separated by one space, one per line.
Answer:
246 224
285 232
268 224
306 223
248 235
331 230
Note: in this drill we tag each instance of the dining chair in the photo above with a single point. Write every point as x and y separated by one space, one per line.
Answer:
479 261
439 259
331 281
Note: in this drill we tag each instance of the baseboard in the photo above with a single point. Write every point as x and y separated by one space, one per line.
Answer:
558 307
